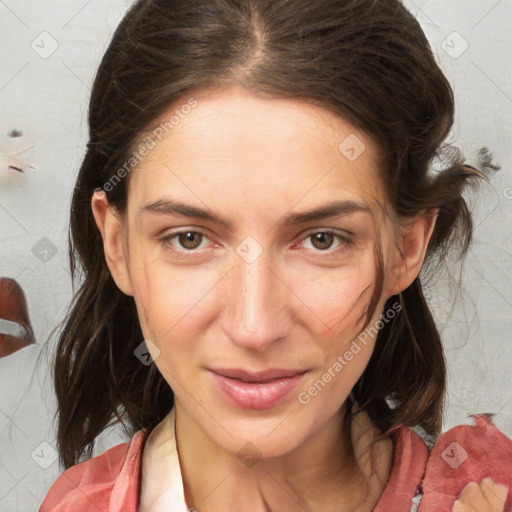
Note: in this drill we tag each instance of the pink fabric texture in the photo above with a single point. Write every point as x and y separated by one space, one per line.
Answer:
111 482
409 460
106 483
464 454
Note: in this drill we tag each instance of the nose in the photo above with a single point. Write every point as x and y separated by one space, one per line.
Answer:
258 301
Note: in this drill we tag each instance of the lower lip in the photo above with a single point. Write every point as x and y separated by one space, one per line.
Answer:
256 395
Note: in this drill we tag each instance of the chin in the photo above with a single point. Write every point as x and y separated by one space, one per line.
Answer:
259 436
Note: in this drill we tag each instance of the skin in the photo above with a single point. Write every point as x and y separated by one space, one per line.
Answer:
299 305
483 496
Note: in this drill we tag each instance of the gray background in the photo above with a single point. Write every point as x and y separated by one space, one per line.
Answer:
45 94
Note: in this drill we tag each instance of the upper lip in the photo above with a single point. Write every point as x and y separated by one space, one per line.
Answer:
241 374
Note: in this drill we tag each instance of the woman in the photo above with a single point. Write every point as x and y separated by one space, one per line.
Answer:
256 203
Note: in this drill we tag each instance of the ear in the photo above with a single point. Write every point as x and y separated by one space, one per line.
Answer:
111 228
409 252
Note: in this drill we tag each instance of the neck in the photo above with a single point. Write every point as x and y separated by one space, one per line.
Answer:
321 473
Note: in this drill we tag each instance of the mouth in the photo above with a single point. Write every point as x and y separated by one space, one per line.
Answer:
15 329
256 390
262 376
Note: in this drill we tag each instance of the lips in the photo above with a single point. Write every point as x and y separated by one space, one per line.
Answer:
256 390
15 329
262 376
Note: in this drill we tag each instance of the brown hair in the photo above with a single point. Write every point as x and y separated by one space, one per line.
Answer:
366 60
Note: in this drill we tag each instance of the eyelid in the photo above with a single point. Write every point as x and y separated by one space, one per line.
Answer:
344 239
180 231
340 232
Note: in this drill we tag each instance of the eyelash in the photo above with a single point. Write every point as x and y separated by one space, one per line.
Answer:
341 238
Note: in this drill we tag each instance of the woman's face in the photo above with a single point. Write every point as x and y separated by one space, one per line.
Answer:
268 287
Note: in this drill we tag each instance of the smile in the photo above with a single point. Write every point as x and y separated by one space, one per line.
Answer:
256 390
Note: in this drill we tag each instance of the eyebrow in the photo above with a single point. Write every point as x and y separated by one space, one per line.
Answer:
326 210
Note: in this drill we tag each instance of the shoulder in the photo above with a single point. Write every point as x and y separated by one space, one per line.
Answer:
90 485
433 479
410 457
464 454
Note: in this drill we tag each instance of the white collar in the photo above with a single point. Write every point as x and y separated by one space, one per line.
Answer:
161 481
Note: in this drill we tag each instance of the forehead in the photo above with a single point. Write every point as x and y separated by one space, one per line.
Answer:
233 147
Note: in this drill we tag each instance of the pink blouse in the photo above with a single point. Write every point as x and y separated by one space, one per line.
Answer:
420 481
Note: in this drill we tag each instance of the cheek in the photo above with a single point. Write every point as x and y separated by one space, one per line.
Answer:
171 301
340 301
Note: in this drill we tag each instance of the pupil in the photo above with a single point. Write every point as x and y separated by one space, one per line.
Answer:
189 240
320 237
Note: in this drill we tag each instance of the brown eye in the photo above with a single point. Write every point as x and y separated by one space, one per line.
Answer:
187 242
190 239
322 240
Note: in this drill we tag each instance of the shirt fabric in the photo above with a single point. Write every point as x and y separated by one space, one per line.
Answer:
419 481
